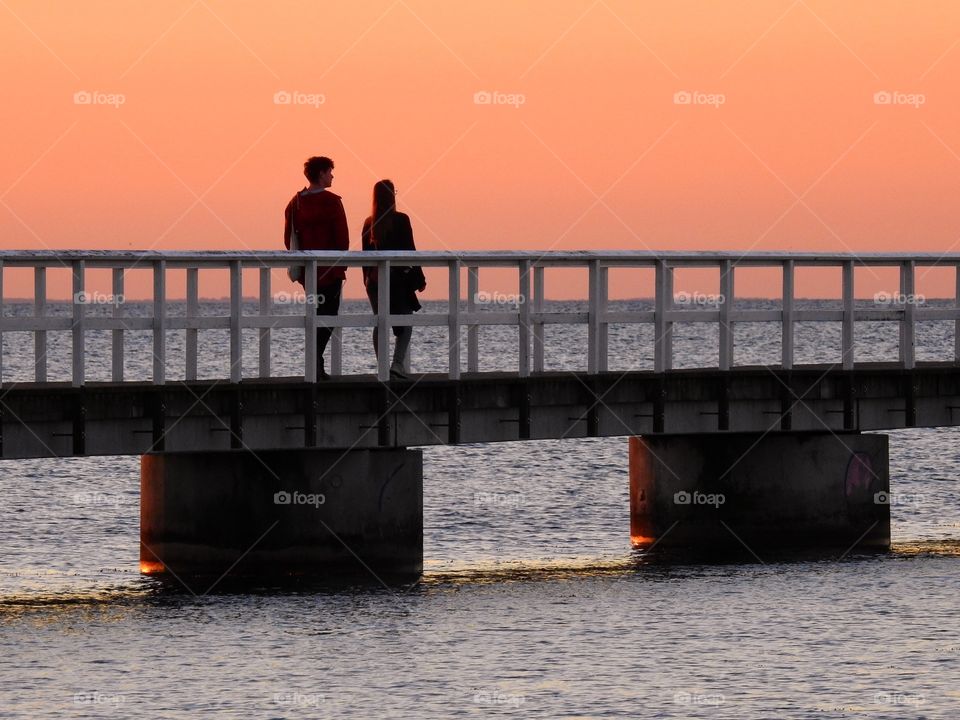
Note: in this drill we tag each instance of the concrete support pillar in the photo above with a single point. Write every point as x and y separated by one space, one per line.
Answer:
760 492
319 513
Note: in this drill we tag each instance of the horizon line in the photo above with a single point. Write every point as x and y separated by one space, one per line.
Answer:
298 297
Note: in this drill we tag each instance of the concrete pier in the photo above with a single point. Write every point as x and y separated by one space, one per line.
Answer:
759 492
317 513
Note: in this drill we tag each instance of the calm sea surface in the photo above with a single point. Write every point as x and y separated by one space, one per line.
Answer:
532 603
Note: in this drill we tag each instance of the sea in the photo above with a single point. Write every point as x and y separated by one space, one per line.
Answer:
532 603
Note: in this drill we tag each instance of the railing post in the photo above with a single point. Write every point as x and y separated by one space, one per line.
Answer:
604 344
727 290
77 330
266 305
593 318
336 351
907 293
39 311
117 334
956 323
193 311
786 329
236 321
538 325
383 317
523 317
473 330
668 336
310 358
453 320
846 341
159 322
663 345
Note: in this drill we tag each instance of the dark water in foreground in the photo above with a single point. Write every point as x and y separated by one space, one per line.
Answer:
532 604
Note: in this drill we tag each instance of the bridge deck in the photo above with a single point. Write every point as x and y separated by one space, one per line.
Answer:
59 419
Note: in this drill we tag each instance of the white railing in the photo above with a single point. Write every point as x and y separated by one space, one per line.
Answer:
530 317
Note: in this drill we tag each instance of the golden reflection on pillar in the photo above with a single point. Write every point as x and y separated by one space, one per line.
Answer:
151 567
642 529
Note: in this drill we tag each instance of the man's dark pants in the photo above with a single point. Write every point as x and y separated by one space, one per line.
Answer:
328 303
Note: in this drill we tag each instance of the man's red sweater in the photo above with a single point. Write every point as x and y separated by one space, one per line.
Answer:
321 224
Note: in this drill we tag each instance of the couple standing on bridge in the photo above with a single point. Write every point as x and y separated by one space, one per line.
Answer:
315 220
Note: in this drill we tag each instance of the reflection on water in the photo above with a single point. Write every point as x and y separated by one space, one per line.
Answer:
949 547
481 572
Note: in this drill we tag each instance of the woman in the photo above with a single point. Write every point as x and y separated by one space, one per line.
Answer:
387 229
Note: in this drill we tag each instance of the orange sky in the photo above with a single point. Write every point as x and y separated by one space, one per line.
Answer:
598 156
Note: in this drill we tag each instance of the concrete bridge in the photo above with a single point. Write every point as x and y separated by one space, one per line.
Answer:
227 460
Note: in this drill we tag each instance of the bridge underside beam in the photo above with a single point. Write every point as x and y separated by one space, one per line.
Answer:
754 494
50 419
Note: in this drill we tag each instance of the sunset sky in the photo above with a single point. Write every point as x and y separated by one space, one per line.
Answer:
813 125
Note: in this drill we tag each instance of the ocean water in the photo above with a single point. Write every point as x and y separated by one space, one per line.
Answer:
532 603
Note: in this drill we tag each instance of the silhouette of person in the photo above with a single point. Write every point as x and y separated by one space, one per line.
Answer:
388 229
321 224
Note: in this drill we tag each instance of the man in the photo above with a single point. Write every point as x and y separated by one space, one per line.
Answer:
321 224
